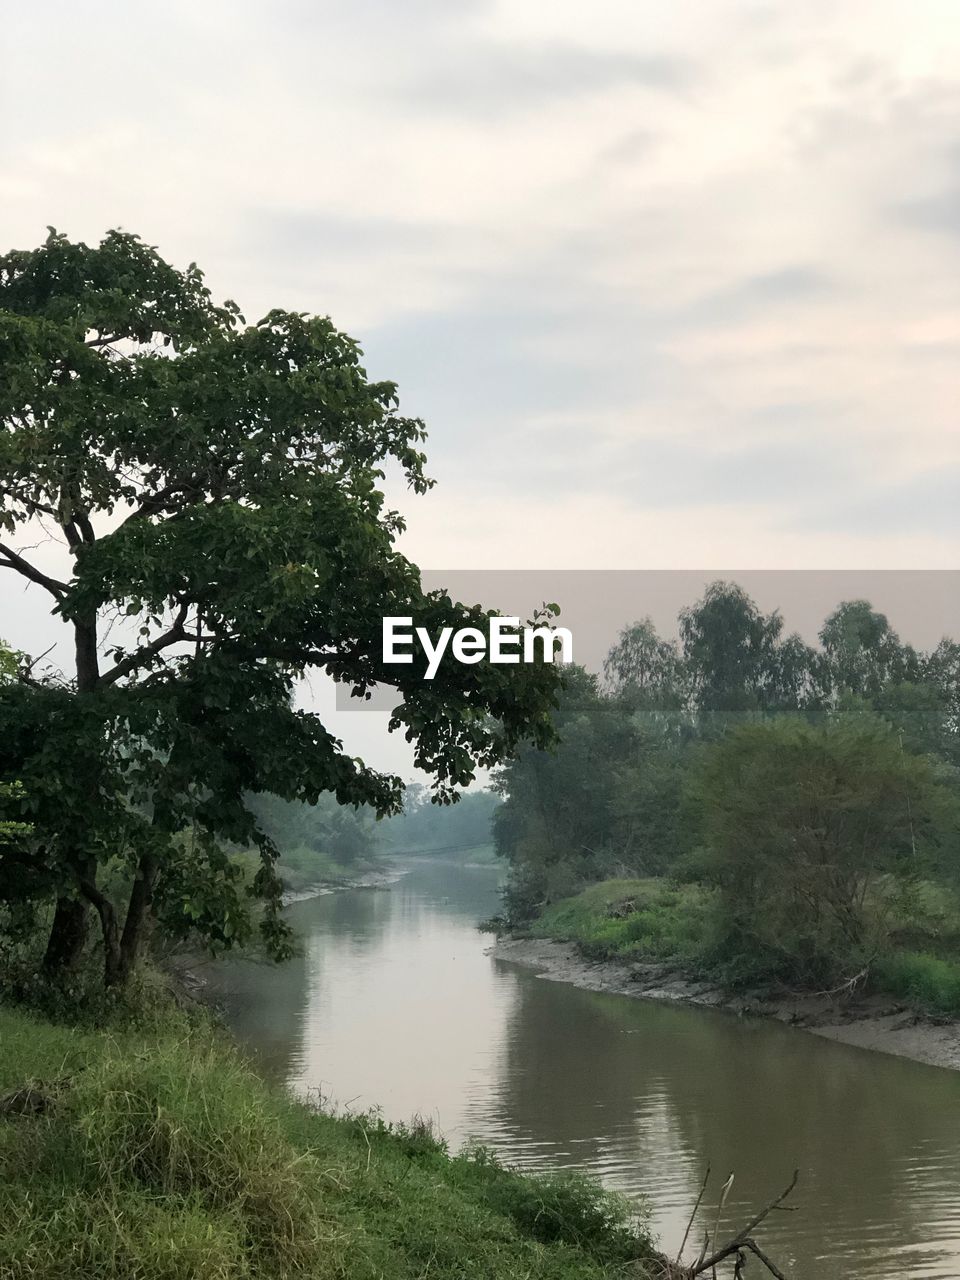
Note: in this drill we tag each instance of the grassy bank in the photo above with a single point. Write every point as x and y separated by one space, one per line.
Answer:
156 1154
655 920
631 920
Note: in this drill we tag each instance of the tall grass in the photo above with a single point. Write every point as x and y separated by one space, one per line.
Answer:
165 1157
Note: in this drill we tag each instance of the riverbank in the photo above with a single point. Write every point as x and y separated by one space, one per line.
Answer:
872 1022
155 1151
380 877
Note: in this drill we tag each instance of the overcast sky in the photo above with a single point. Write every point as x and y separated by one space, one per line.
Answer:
673 285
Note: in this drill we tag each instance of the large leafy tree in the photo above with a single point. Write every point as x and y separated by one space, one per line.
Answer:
215 487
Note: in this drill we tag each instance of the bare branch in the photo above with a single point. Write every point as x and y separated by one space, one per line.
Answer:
686 1234
771 1266
741 1238
13 560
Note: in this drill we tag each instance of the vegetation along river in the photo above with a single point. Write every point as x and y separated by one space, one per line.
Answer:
394 1004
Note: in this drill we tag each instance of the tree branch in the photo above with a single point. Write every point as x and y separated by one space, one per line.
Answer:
12 560
141 657
770 1265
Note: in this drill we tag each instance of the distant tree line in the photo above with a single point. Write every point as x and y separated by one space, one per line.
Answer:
812 788
424 827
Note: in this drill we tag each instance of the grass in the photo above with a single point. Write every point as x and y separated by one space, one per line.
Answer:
929 983
631 920
162 1156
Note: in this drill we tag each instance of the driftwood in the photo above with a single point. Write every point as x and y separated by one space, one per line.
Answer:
25 1102
737 1247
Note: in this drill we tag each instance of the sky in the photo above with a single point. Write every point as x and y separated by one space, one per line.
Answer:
673 286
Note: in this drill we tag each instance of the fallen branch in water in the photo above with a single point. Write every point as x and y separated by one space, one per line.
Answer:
735 1247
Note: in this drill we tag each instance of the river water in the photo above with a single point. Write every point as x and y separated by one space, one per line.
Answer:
394 1004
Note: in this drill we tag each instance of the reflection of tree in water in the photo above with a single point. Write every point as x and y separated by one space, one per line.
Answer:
263 1004
647 1094
354 917
266 1004
643 1093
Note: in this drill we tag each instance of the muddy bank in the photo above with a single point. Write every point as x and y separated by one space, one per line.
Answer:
380 878
874 1022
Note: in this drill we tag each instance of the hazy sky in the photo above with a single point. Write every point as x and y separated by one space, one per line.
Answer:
672 284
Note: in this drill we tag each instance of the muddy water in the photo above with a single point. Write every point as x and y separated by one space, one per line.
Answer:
394 1004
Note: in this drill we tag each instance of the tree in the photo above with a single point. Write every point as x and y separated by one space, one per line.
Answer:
805 825
341 832
215 486
734 656
645 669
863 652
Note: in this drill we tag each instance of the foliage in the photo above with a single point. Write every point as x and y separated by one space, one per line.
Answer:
813 830
736 660
807 796
864 654
324 831
163 1156
216 487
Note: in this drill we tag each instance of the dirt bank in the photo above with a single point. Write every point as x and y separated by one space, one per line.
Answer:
872 1023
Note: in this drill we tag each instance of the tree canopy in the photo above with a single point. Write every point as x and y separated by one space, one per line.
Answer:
216 488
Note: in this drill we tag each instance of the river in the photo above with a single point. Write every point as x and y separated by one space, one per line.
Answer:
394 1004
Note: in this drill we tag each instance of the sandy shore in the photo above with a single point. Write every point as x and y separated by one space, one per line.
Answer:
871 1023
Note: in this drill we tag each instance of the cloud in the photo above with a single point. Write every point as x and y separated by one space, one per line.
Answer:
677 269
940 212
495 79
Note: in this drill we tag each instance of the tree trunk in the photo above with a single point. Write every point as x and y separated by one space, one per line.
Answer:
87 658
135 925
68 935
108 926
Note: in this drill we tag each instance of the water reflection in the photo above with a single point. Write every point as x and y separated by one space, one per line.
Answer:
394 1003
